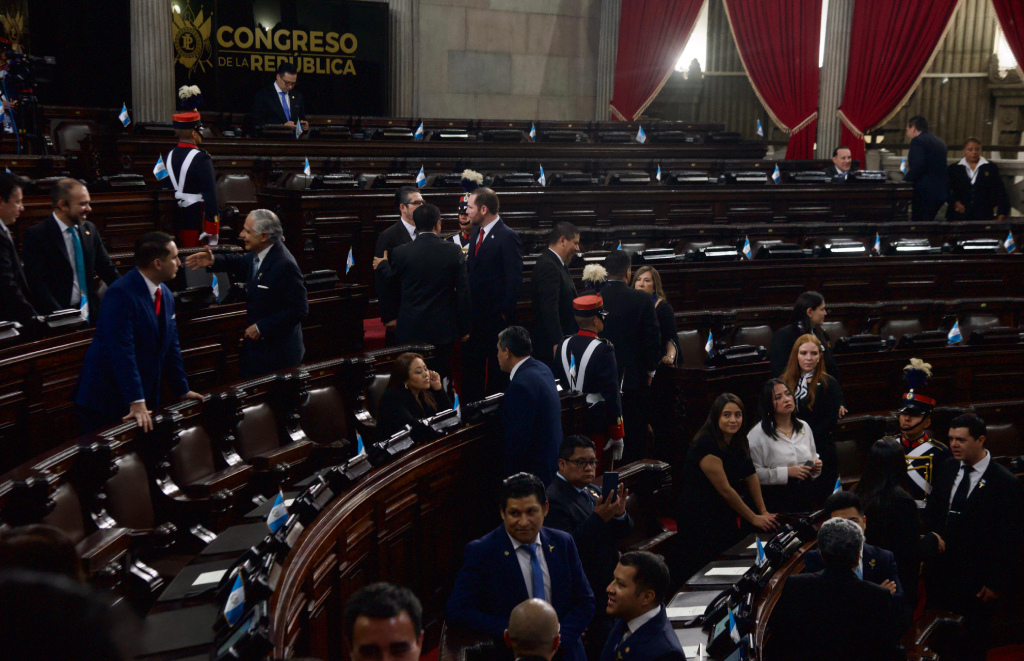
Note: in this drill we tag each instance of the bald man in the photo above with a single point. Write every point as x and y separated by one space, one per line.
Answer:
532 632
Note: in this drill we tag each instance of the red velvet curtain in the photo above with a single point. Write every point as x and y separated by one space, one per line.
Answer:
891 43
778 44
1011 18
652 35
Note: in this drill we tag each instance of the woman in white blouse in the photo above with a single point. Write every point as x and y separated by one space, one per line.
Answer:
782 448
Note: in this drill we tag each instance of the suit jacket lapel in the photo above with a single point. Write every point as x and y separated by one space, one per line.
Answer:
56 231
556 569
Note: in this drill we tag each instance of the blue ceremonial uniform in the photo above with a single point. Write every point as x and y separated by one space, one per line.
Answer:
491 583
653 641
597 375
197 199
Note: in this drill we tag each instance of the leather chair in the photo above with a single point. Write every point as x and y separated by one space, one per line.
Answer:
375 391
973 322
261 444
237 189
758 336
70 136
835 330
324 418
1004 440
691 349
104 552
298 181
897 328
194 467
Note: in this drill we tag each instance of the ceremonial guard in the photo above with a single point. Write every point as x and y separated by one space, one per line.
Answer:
470 182
190 173
924 454
588 366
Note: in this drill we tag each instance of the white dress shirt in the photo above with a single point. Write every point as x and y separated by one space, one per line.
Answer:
512 374
411 229
977 470
486 229
523 556
287 99
772 456
973 173
69 243
640 620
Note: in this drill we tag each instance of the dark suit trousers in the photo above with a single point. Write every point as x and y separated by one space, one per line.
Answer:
90 421
635 418
481 375
925 210
442 361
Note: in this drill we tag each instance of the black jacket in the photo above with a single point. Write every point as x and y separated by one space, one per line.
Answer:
276 302
389 293
398 408
782 344
435 290
980 198
199 180
267 108
632 328
982 544
553 292
496 272
927 169
896 525
14 291
48 267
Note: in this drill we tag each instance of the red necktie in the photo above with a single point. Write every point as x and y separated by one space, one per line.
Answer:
159 297
479 240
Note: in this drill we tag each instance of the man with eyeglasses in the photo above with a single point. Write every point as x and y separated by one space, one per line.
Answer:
280 103
596 522
389 293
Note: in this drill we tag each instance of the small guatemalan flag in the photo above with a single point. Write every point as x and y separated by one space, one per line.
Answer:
159 170
903 166
298 129
123 115
658 175
1008 243
216 288
838 487
878 244
746 248
572 367
421 178
533 132
457 407
308 171
349 261
542 180
278 514
709 346
761 557
234 607
954 335
360 448
760 131
418 135
620 246
734 630
641 137
776 176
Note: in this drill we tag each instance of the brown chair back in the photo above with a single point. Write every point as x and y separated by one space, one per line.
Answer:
258 431
323 416
129 501
67 513
192 458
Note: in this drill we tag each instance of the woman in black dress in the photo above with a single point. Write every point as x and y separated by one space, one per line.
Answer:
414 392
718 482
648 279
818 403
891 513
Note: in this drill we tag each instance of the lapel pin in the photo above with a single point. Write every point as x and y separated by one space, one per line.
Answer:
551 548
506 552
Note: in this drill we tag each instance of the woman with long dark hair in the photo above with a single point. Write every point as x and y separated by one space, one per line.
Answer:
719 480
414 392
891 513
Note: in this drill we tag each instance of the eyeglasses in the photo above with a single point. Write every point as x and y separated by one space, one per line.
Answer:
583 463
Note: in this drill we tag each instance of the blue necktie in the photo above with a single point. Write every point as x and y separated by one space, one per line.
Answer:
284 104
536 573
83 284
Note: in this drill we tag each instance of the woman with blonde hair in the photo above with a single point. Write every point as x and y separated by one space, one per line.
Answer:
648 279
818 399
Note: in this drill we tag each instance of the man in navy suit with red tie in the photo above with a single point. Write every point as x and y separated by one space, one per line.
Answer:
135 344
522 560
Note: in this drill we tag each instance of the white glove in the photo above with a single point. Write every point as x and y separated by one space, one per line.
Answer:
615 446
211 239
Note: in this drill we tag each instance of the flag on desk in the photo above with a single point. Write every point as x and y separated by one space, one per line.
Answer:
542 180
838 487
620 246
533 132
457 407
9 169
418 135
658 175
234 607
1008 243
123 115
308 171
746 248
360 448
572 367
954 335
903 166
216 288
709 346
761 557
760 131
776 176
641 137
734 630
298 128
421 178
278 514
159 170
349 261
878 244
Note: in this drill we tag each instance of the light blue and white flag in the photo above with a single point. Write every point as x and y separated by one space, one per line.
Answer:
746 248
542 180
278 514
760 131
658 175
776 176
360 448
298 128
306 170
838 487
878 244
761 557
418 135
903 166
533 132
421 178
234 607
954 335
734 630
123 115
1008 243
159 170
709 346
457 407
620 246
641 137
572 367
350 261
216 288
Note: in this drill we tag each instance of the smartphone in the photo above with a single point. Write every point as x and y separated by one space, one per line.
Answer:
610 484
809 463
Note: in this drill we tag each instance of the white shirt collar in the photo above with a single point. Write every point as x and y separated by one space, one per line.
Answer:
641 620
981 161
411 229
279 90
64 227
562 261
151 285
512 374
487 229
559 474
262 255
516 543
982 466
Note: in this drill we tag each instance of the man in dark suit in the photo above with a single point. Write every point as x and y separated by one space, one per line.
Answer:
532 632
14 305
974 523
632 328
975 187
383 621
553 292
842 163
635 596
926 169
435 289
389 294
280 103
531 410
276 300
135 344
495 267
57 277
832 615
521 560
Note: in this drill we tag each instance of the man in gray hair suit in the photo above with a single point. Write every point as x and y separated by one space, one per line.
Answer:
833 614
276 295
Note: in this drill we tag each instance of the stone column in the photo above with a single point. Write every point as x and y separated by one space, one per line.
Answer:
152 35
403 58
607 52
833 75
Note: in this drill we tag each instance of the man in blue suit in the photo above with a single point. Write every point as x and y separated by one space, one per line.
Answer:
276 300
135 344
495 268
635 596
926 169
531 410
522 560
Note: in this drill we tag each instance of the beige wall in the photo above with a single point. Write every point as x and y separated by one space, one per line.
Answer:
506 59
